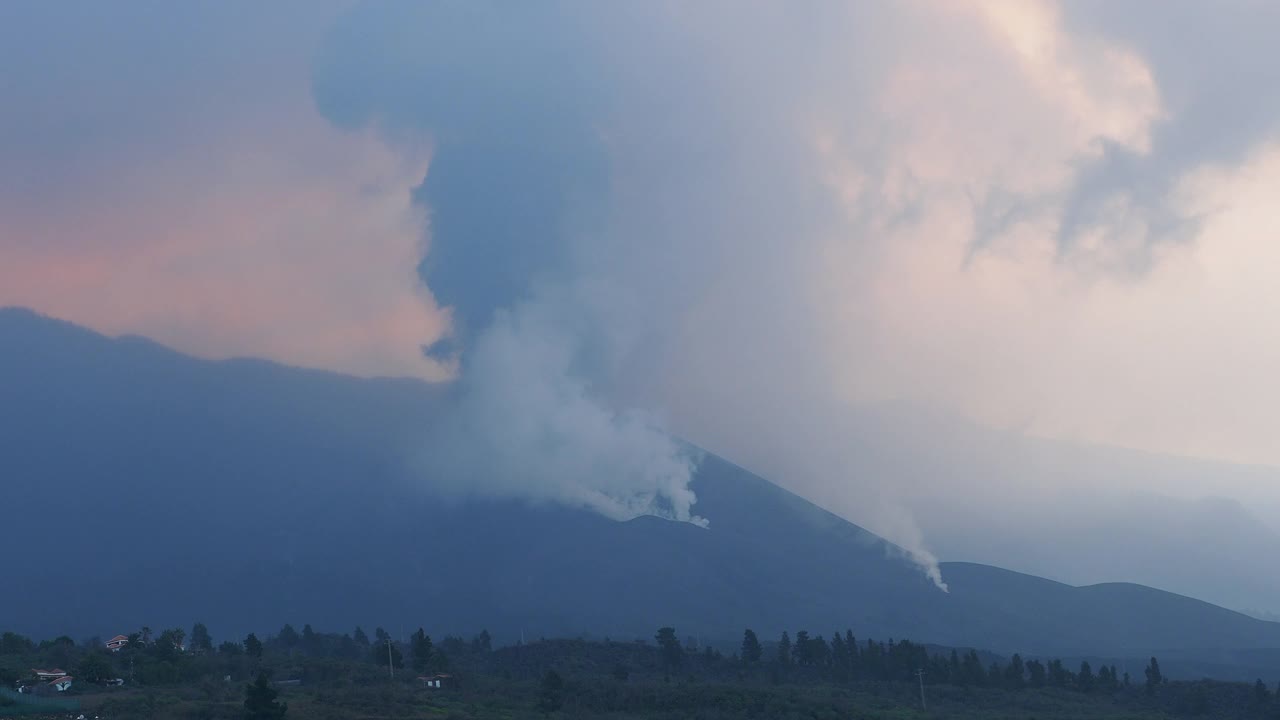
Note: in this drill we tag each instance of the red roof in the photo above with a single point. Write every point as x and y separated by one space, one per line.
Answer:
119 638
56 672
55 681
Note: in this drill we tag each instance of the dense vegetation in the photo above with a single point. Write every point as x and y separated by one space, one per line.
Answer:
175 674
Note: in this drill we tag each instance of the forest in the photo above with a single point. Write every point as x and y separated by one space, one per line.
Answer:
175 673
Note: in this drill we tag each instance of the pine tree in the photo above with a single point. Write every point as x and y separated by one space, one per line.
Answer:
801 650
1057 674
751 650
873 659
421 648
784 649
1154 677
820 651
253 647
855 660
386 651
201 642
839 655
1013 675
1035 671
977 673
551 692
288 637
260 701
1084 678
1261 693
669 648
1105 679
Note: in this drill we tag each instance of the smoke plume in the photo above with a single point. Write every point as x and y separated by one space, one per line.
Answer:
778 225
527 426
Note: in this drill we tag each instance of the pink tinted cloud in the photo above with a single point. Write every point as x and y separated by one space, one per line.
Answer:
275 236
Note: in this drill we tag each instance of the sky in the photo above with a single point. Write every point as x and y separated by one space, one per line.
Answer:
861 248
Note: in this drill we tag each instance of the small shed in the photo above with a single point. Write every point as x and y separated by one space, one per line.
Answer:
437 681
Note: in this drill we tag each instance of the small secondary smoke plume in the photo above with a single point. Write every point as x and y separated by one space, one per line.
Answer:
895 522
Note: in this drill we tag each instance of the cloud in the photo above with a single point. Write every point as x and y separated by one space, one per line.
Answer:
172 178
795 235
804 216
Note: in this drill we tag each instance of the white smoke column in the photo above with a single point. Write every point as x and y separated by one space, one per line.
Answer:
894 521
526 426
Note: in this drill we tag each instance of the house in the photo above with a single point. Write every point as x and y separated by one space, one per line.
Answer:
62 684
50 682
439 680
117 642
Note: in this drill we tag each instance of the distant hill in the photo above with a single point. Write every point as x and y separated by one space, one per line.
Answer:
146 487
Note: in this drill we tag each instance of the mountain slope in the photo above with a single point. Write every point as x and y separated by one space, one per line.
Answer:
146 487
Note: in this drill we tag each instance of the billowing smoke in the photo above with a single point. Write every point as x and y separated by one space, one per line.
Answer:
518 170
528 426
780 226
609 221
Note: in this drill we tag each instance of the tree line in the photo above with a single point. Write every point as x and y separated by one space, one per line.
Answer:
175 656
844 659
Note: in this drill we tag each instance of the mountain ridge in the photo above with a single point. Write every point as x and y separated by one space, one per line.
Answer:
266 494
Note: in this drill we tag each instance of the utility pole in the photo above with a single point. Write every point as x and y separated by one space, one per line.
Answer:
391 664
920 675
